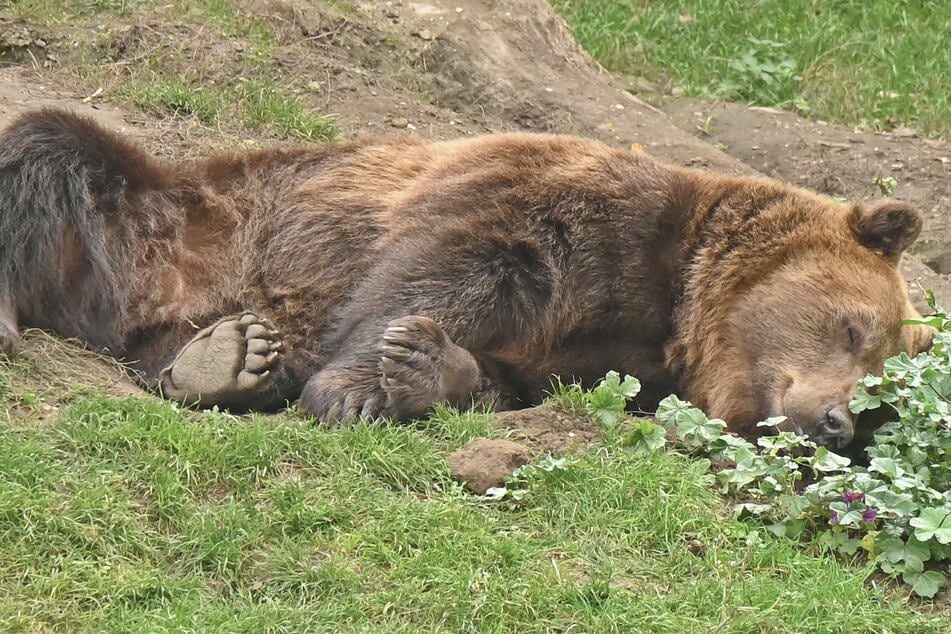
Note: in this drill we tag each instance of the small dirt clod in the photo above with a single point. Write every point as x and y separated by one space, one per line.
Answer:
484 463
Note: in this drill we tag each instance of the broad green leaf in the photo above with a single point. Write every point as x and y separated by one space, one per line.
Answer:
630 387
825 460
886 466
669 408
863 401
751 508
888 501
605 406
925 584
933 523
794 505
645 436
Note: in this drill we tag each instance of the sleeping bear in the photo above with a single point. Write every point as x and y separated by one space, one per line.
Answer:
376 278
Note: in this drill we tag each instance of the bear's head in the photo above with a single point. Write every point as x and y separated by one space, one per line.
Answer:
824 312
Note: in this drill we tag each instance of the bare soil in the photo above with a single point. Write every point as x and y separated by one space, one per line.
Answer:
446 68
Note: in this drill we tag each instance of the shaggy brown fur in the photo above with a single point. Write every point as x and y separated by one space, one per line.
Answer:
403 272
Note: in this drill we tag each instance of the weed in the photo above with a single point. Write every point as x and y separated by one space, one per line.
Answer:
886 185
763 74
705 124
607 402
176 97
265 105
63 11
897 510
568 395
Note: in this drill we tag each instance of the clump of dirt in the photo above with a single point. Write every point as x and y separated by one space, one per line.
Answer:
484 463
548 429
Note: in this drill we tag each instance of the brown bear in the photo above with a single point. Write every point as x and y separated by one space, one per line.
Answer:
373 279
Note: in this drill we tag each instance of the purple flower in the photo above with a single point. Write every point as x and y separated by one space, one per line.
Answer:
835 518
869 515
848 497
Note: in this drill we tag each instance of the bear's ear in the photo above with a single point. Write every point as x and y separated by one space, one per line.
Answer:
888 227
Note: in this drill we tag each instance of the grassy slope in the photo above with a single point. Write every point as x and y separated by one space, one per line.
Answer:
128 515
203 59
876 63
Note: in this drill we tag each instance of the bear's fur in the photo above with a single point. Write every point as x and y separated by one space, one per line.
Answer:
374 278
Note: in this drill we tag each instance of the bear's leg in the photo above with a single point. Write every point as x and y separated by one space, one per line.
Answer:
487 288
234 363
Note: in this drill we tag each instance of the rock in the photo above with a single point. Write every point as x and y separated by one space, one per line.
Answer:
484 463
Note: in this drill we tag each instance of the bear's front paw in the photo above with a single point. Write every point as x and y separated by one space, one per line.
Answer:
343 395
421 366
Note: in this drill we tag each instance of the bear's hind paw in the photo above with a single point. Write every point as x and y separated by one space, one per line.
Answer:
225 362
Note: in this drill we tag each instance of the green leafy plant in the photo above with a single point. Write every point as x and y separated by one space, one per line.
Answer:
887 509
764 74
518 487
607 402
886 185
896 510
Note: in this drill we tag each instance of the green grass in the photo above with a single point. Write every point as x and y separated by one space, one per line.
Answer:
874 63
131 516
255 104
53 12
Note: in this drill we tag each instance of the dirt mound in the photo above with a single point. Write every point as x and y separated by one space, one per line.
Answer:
484 463
49 372
550 428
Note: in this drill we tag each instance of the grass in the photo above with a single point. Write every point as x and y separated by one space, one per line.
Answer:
868 63
256 104
210 60
130 515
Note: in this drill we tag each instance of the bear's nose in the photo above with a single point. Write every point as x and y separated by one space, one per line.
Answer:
838 428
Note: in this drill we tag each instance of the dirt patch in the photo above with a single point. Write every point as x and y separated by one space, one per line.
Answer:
49 372
550 428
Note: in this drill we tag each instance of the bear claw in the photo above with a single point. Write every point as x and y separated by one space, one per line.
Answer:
338 395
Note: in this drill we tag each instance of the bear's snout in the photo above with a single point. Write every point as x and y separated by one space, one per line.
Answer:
835 427
822 414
